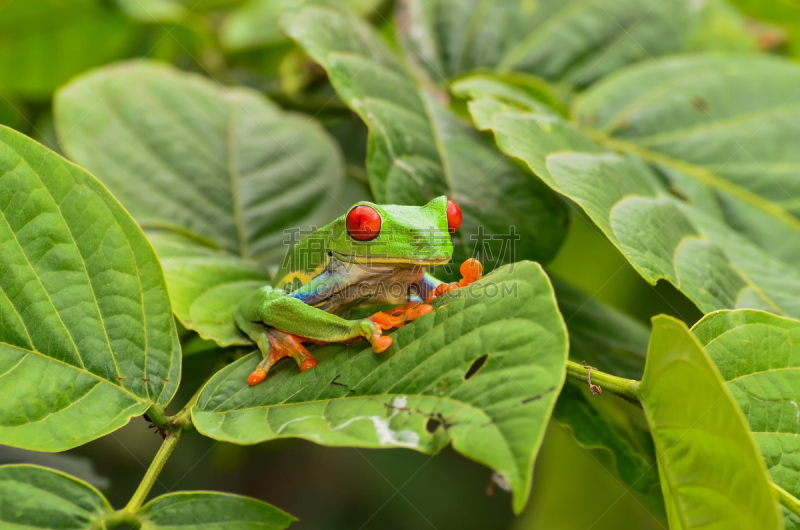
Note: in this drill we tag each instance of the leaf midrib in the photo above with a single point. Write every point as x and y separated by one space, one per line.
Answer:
717 125
79 369
91 286
44 290
233 175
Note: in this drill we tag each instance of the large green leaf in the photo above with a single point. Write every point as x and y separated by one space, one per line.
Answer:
37 497
724 127
44 43
568 40
184 153
255 24
418 149
201 510
87 339
423 392
661 236
222 173
711 472
756 355
206 286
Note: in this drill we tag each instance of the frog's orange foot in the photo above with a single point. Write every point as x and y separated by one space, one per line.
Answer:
282 345
385 320
471 272
414 310
440 290
397 317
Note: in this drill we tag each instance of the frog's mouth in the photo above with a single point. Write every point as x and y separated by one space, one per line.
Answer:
376 260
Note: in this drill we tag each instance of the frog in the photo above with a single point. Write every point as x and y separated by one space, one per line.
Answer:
372 255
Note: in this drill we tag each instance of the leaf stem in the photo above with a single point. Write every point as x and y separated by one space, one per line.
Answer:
153 471
183 419
625 388
788 501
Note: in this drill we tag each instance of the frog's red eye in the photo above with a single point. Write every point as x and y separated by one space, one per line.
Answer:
363 223
453 216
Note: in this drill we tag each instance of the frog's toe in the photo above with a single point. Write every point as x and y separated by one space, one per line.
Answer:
440 290
385 320
308 362
381 344
471 270
417 311
256 377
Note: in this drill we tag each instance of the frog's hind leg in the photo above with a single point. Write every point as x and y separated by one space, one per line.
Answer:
274 346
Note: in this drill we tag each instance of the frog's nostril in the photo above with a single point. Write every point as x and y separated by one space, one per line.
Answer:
453 216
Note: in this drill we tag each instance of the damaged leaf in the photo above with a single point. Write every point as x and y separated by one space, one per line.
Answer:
357 398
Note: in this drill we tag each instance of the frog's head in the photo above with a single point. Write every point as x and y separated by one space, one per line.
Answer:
385 234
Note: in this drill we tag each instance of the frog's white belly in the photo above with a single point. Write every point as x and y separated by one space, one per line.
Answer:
376 285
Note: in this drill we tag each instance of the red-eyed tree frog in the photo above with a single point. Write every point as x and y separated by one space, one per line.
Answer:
374 254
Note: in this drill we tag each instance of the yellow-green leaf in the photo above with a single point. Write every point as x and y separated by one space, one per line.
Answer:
711 471
756 355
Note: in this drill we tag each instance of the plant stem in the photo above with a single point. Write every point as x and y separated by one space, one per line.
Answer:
625 388
788 500
156 415
183 419
153 471
174 426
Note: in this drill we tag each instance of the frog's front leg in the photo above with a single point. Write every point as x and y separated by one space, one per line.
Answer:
274 320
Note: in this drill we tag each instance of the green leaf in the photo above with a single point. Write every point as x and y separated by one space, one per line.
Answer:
44 43
756 355
88 339
154 11
418 149
725 127
254 25
416 394
661 236
185 153
711 472
206 285
225 183
574 41
37 497
211 511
